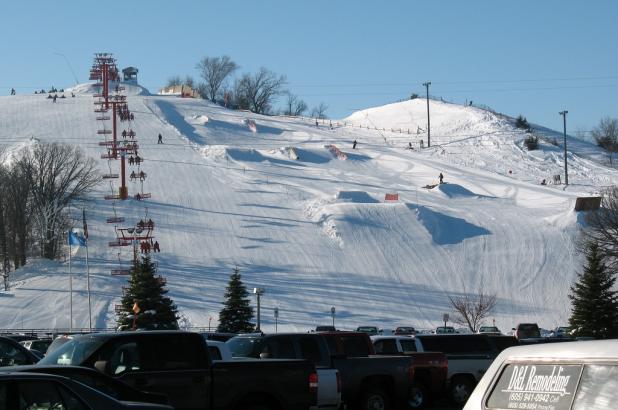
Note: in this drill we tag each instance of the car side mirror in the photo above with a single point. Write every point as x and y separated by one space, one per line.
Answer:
100 365
264 355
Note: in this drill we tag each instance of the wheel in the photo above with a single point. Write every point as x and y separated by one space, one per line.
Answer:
375 398
461 389
417 398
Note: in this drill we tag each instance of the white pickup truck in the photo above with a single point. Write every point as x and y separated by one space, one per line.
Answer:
469 356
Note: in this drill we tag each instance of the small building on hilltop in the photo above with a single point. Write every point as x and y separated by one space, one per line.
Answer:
180 90
130 75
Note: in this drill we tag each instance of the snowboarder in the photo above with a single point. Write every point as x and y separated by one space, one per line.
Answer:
12 91
354 145
54 97
441 177
155 247
160 141
410 146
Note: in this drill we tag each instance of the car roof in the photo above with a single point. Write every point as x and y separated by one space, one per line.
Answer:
594 349
397 337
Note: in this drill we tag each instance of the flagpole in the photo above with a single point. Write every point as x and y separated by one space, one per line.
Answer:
70 286
88 278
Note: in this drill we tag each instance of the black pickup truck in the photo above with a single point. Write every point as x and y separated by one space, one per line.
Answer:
371 382
178 365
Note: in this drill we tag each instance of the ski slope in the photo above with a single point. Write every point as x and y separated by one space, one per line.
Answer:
315 231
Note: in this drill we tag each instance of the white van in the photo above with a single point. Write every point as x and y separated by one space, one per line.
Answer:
553 376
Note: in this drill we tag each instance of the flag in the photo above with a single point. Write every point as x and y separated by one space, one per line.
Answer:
75 239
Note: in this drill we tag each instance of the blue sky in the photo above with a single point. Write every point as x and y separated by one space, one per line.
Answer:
527 57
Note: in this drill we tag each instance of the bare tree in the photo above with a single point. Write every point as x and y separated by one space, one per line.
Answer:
472 309
58 174
215 70
189 81
320 111
602 228
606 135
294 105
258 91
173 81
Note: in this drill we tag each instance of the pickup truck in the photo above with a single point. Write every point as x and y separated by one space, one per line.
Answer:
308 346
369 381
469 356
430 368
178 364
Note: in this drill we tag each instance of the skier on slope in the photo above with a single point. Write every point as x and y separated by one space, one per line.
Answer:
441 177
354 144
160 141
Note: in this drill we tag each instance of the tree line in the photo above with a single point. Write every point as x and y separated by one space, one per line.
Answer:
37 184
257 92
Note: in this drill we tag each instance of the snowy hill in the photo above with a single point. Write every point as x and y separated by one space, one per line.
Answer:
315 231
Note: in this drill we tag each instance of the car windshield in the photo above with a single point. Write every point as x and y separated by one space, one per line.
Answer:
368 329
245 346
73 352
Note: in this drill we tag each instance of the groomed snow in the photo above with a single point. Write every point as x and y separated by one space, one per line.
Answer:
315 232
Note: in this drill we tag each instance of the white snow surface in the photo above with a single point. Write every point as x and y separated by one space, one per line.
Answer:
316 232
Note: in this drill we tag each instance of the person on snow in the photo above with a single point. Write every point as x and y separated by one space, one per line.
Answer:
160 141
155 247
410 146
54 97
12 91
316 123
354 144
441 177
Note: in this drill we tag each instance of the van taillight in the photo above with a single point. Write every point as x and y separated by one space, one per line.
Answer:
313 381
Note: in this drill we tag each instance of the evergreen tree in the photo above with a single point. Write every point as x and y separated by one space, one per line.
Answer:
236 315
147 292
595 304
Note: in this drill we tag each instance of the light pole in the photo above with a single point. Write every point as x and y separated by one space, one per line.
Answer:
566 171
276 317
259 292
426 85
332 315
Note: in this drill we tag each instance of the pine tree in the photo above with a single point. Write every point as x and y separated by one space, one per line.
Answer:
236 315
156 311
595 304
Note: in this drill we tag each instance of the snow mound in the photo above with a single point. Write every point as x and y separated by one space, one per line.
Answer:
198 119
358 197
455 190
90 88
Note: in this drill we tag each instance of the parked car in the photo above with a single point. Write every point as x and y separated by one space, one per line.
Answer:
469 356
14 354
218 336
325 328
370 330
405 330
370 381
219 350
18 337
526 331
40 345
440 330
178 364
94 379
307 346
572 376
49 391
561 331
489 330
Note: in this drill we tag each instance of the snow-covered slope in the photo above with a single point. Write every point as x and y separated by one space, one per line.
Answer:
315 232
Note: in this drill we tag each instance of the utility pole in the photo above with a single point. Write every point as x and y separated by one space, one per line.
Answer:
426 85
566 171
